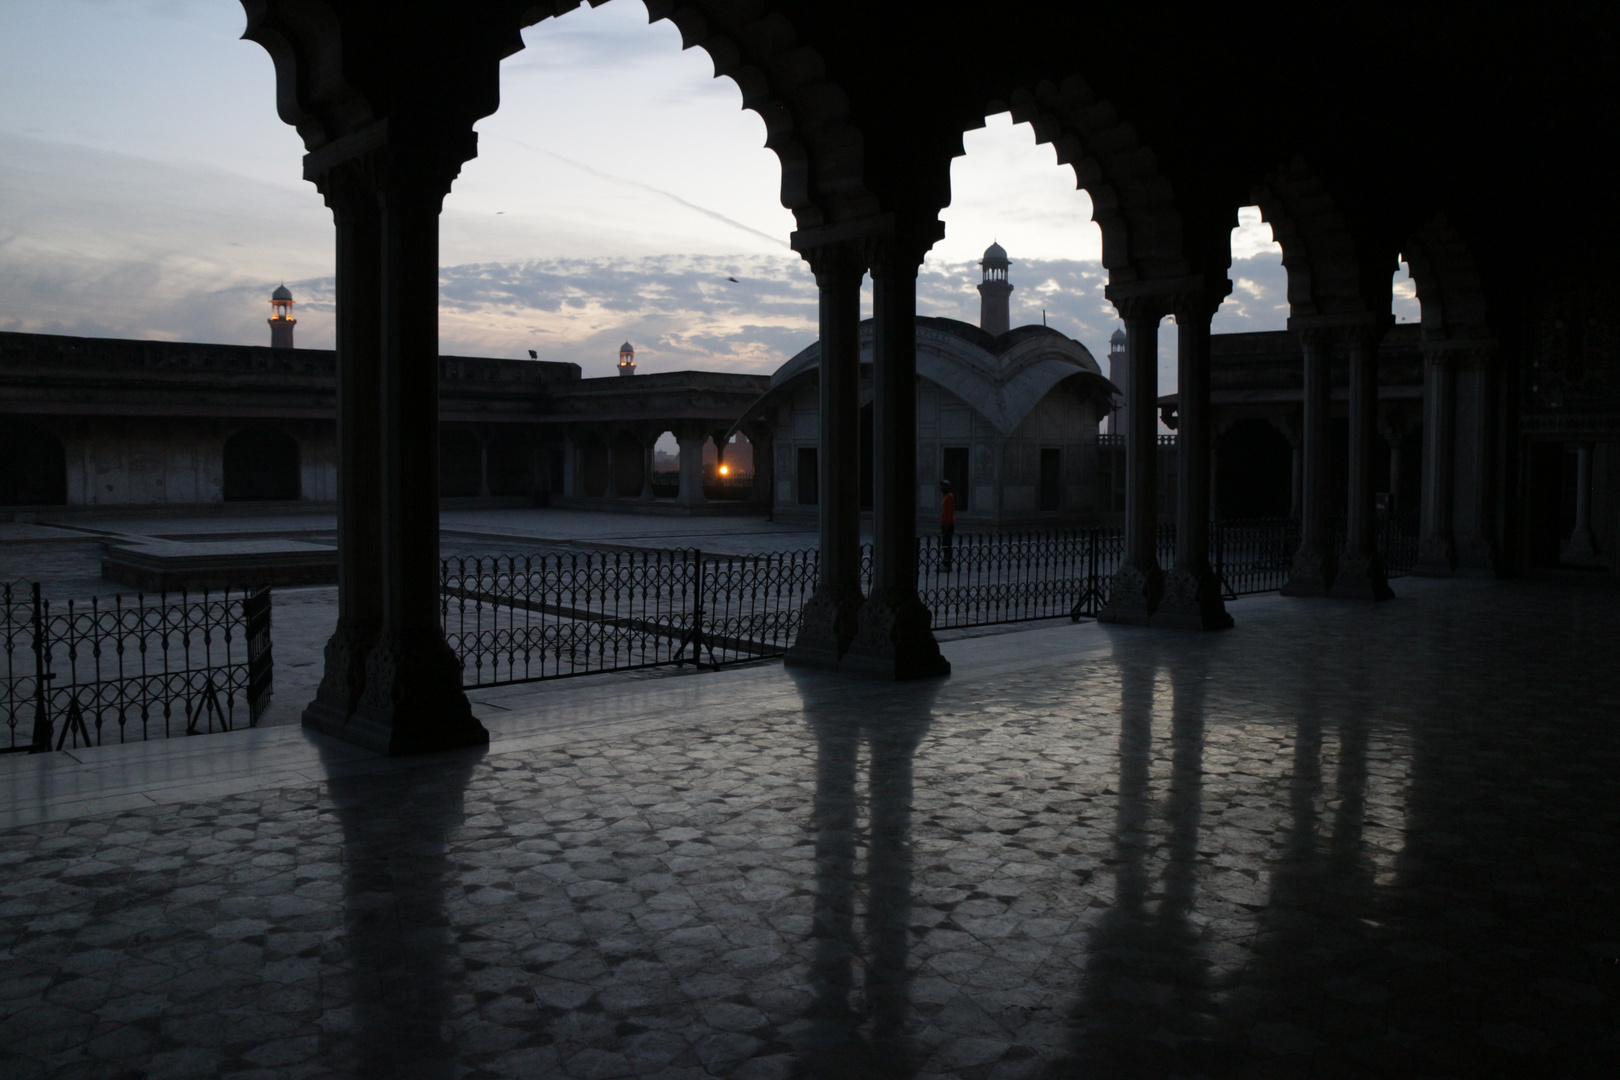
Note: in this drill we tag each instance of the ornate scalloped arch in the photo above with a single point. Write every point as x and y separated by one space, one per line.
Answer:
785 83
1132 202
1448 282
1319 250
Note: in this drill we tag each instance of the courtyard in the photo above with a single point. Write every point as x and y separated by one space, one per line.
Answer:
1339 840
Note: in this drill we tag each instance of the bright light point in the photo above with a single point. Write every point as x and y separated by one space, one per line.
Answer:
725 470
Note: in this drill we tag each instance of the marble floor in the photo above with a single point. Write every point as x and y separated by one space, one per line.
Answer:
1340 840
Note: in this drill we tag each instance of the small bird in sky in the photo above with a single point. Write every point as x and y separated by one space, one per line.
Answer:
733 280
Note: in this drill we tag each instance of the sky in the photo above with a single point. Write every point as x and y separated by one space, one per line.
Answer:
149 190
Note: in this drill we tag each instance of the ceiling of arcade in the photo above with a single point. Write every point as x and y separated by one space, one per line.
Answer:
1364 133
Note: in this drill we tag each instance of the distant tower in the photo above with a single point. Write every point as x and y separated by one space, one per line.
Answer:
627 359
281 318
994 291
1119 368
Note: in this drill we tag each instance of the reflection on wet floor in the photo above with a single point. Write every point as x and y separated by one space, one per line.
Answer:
1336 841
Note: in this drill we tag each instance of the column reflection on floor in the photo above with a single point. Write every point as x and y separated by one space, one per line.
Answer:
859 1028
1144 1004
397 940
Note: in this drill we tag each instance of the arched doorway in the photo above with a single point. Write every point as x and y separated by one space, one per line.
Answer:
459 465
261 464
1254 466
629 465
596 471
511 464
33 467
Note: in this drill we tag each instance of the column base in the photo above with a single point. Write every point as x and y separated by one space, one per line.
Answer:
413 701
895 640
1361 577
1436 558
1477 558
827 626
1192 601
1311 574
1581 541
343 678
1133 595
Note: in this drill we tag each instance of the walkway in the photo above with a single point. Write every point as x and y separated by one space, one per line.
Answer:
1337 841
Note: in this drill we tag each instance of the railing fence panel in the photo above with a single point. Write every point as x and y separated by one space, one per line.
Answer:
525 618
88 673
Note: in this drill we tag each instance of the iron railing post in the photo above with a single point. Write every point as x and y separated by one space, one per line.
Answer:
42 677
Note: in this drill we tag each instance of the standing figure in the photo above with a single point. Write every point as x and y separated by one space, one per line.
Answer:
947 525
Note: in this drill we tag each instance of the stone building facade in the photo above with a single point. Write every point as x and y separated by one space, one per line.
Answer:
107 423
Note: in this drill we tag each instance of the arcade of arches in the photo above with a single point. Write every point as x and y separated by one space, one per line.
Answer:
1512 364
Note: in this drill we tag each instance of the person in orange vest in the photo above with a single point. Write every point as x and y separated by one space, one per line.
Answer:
947 525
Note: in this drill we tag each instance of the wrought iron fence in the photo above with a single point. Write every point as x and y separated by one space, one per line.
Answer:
524 618
88 673
521 619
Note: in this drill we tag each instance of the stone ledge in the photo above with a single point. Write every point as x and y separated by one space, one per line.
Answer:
168 565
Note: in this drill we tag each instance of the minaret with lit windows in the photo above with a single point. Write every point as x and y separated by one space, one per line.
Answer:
281 318
1119 371
994 317
627 359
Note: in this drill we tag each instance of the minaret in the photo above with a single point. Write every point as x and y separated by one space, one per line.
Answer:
1119 369
627 359
994 291
281 318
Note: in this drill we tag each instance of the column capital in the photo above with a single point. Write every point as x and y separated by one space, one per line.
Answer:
1465 354
1188 295
389 155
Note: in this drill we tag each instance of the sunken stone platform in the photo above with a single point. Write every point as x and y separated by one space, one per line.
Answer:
168 565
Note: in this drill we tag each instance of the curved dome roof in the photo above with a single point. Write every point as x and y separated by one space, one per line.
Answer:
1116 337
995 253
627 347
1003 377
282 293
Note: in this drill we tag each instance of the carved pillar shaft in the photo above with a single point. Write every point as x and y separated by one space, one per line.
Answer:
1437 553
359 511
413 700
1192 595
829 620
1580 540
894 637
649 440
1361 569
1314 562
691 440
1474 468
1138 584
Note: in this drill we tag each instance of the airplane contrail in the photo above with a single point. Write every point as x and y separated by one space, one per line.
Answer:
705 211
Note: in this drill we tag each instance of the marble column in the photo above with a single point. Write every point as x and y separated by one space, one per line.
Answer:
648 444
1474 474
762 443
1437 553
830 615
1192 593
1296 478
353 200
413 701
1315 561
1361 574
691 439
1139 582
894 637
571 465
1580 540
